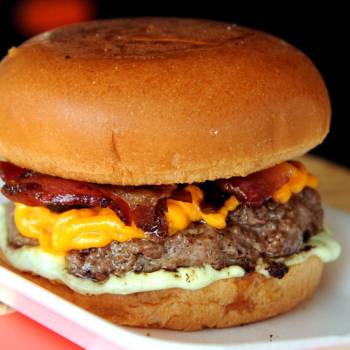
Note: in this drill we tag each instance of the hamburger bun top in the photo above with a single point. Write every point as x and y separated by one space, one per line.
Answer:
158 101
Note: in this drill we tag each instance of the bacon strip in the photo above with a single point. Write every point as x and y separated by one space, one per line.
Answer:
180 194
130 203
145 205
256 188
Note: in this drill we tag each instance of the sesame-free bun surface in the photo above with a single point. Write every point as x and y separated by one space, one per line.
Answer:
156 101
224 303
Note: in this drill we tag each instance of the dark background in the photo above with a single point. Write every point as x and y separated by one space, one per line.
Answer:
321 31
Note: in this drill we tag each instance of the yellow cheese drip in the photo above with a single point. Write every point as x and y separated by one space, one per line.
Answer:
97 227
181 214
299 179
74 229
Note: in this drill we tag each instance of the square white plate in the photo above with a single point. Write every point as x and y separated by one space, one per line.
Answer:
321 322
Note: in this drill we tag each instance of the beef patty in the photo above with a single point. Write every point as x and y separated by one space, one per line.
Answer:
269 231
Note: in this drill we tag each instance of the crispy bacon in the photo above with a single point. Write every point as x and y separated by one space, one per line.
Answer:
11 172
180 194
256 188
36 189
214 197
160 225
145 205
130 203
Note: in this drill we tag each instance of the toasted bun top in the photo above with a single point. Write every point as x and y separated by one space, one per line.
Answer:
157 101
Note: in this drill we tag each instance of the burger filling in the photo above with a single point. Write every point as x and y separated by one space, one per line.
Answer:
103 230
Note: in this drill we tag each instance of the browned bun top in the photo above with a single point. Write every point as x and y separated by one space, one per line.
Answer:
157 101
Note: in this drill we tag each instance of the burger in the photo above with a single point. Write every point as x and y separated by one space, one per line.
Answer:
150 169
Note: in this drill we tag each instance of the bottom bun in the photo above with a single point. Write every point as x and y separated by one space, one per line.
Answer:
225 303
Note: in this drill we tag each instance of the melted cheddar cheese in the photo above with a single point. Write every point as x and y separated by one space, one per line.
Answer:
97 227
299 179
181 214
74 229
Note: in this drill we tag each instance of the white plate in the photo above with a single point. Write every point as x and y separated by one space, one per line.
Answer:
321 322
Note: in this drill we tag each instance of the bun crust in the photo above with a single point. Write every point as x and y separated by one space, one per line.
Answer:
225 303
157 101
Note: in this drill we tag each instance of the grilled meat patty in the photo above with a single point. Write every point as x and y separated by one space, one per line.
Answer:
269 231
